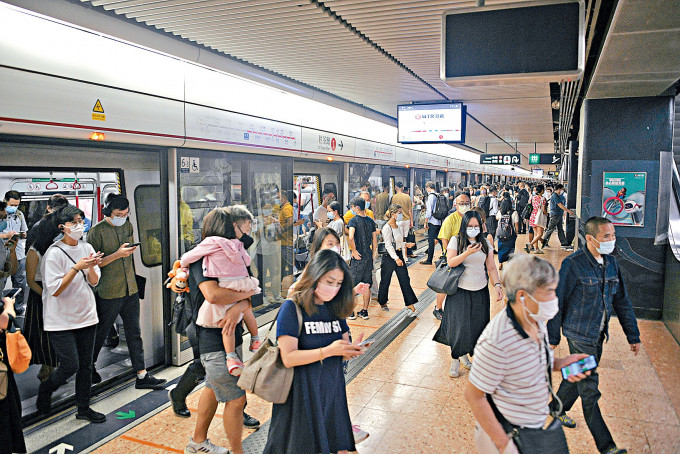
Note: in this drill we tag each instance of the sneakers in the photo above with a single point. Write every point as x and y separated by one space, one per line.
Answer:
527 248
363 314
89 414
249 422
438 313
254 345
149 382
179 408
615 450
384 307
206 446
359 435
235 366
353 316
465 361
569 248
454 370
539 251
567 421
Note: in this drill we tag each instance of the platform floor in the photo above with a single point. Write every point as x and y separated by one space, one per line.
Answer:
406 401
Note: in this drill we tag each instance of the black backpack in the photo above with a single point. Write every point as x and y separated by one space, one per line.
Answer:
485 204
505 229
441 207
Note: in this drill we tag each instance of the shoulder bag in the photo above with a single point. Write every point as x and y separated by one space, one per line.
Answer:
18 352
4 377
382 250
445 279
537 441
528 209
265 374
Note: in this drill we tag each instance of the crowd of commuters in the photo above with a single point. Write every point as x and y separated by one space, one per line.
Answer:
61 269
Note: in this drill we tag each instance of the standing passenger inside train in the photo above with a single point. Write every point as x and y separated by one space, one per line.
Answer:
41 237
70 270
16 228
382 201
315 418
406 221
393 261
467 311
321 212
117 293
54 202
363 241
287 222
8 254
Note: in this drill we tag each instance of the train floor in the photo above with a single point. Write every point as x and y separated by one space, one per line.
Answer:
401 394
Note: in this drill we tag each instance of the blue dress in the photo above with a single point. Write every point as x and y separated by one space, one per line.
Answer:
315 418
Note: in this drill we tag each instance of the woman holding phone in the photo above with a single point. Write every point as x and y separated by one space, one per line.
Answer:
70 270
315 418
467 311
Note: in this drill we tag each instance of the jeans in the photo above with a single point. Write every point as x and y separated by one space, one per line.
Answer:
73 349
128 308
432 233
588 390
555 222
19 281
389 266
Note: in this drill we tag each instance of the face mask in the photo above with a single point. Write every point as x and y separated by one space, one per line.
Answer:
353 212
533 192
11 210
247 240
336 249
118 221
277 201
326 292
331 215
368 204
472 232
546 309
76 232
548 194
606 247
462 209
400 217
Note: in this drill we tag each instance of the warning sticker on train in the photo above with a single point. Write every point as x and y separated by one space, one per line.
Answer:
98 111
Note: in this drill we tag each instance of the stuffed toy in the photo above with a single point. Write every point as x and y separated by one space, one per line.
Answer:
178 279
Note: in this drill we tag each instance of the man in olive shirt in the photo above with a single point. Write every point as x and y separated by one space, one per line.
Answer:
382 201
117 290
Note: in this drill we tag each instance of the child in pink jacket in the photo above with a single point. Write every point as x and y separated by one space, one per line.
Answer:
228 261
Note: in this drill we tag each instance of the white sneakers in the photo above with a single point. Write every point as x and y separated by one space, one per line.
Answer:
466 362
454 371
205 447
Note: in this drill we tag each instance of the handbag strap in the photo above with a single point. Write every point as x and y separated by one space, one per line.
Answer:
71 259
298 311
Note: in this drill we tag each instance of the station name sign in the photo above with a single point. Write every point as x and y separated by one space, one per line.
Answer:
501 159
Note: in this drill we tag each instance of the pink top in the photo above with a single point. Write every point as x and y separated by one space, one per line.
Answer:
221 257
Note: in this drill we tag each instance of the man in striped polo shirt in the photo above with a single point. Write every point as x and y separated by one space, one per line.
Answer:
512 354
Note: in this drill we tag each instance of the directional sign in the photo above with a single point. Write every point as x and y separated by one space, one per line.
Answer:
61 448
501 159
122 415
550 159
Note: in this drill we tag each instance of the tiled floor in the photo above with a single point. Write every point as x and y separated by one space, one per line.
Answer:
407 402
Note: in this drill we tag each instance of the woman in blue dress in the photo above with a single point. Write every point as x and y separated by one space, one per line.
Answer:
315 418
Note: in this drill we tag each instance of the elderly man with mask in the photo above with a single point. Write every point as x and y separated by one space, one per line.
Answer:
449 228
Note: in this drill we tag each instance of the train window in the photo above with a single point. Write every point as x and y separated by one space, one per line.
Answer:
360 174
148 214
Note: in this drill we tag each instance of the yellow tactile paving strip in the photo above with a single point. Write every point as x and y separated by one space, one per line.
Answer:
406 401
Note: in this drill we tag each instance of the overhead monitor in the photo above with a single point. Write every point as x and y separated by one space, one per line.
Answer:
431 123
537 173
535 41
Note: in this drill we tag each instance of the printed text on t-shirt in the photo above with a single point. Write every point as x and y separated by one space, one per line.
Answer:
322 327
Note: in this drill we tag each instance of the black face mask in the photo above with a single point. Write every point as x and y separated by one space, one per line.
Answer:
247 240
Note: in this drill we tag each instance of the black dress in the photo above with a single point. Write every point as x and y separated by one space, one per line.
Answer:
466 314
11 432
315 418
38 339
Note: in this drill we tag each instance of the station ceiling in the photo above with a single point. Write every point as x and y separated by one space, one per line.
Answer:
381 53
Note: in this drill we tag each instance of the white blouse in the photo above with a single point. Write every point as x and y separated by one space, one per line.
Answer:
474 277
390 238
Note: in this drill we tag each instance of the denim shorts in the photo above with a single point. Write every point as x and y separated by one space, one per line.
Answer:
218 378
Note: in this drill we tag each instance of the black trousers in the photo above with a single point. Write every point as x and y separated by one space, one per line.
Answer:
432 233
73 349
492 225
193 374
388 266
522 223
555 222
128 308
588 390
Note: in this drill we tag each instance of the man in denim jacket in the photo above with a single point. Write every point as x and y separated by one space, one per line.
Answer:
591 288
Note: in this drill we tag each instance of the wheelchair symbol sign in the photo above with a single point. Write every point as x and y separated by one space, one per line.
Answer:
195 165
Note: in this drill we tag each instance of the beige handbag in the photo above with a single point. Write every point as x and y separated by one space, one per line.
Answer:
265 375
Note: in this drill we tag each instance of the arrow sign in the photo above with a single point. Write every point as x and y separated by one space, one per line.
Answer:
555 158
61 448
123 415
340 144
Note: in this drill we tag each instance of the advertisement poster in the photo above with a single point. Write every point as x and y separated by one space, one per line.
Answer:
623 198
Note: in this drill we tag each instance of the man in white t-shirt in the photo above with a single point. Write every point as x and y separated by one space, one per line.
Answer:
321 212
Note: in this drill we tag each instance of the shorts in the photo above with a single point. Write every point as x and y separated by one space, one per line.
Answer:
218 378
361 271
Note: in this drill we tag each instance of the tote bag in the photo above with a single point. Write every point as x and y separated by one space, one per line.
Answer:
445 279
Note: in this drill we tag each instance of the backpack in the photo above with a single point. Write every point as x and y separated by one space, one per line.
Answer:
505 229
485 204
441 207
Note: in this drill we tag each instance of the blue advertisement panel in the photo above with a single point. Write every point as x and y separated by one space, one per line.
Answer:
623 198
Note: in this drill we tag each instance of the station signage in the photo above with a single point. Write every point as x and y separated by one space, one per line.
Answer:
540 158
501 159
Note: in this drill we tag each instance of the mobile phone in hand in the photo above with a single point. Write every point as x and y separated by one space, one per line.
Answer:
366 343
11 293
133 244
579 367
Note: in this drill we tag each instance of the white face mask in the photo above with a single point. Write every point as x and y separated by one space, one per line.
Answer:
462 209
336 249
76 232
118 221
472 232
400 217
606 247
546 309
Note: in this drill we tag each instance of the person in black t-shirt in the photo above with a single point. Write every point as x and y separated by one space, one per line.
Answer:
363 241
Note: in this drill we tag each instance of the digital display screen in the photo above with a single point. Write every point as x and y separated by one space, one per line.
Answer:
431 123
579 366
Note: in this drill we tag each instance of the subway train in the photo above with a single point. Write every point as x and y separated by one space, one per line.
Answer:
85 115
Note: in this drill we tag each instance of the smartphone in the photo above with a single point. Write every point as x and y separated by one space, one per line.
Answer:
366 343
580 366
133 244
11 293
